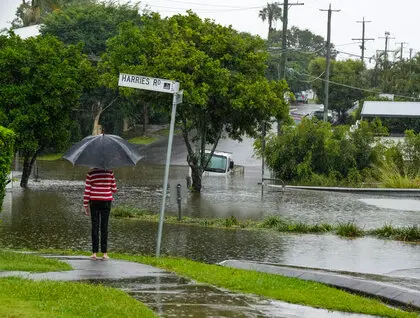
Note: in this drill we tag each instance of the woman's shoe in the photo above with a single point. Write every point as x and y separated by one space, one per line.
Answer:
105 257
93 257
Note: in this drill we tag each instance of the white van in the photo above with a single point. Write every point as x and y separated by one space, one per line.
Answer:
220 164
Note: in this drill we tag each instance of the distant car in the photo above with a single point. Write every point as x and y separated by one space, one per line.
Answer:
301 97
319 114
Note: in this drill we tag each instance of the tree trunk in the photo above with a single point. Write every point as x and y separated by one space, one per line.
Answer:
96 112
126 123
28 163
196 175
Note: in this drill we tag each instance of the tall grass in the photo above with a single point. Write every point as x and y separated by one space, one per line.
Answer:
349 229
391 177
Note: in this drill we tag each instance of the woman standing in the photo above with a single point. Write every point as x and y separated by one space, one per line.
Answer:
97 199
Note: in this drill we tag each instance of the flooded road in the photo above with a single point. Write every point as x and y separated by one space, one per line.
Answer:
49 215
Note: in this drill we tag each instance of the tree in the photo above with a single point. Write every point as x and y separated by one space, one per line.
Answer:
6 150
220 70
92 24
41 82
89 22
272 12
346 83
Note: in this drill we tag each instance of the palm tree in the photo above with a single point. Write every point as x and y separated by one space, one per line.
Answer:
272 12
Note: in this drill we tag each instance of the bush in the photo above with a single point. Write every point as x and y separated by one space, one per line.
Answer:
6 157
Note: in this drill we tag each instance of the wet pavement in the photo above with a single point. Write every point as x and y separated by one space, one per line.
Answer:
172 296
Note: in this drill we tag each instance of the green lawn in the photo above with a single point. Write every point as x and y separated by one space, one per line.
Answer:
35 299
12 261
50 157
142 140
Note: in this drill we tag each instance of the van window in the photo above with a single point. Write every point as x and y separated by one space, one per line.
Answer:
217 164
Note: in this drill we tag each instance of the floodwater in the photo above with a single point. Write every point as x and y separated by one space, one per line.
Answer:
49 215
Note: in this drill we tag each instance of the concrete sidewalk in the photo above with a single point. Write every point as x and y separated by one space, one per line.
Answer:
402 288
172 296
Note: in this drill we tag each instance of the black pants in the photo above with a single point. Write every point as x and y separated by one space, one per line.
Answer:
99 214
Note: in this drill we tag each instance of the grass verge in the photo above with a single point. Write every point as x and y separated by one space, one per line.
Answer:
12 261
50 157
35 299
272 286
142 140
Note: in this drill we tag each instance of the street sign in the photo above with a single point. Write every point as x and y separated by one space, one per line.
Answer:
148 83
178 98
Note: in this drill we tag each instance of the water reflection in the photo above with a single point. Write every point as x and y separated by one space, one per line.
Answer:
49 215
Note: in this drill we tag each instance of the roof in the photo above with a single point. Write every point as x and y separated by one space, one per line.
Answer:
390 109
26 32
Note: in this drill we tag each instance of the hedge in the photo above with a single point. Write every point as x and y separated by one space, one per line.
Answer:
7 138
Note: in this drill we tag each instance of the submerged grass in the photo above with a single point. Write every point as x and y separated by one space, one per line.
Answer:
277 223
349 229
12 261
35 299
410 233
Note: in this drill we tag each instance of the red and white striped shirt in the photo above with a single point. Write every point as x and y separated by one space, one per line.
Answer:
100 184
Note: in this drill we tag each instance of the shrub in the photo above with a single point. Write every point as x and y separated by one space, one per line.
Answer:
6 157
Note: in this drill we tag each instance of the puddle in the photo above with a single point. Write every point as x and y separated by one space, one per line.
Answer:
394 204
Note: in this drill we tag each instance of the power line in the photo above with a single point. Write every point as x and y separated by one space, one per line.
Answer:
286 5
350 86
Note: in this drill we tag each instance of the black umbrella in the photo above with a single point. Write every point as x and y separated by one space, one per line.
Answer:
103 151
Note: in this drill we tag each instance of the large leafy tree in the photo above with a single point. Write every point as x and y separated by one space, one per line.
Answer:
271 13
346 83
93 23
41 82
90 22
220 70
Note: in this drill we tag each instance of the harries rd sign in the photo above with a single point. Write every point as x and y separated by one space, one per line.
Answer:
148 83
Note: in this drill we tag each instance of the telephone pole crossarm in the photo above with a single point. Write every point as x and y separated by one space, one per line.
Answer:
363 39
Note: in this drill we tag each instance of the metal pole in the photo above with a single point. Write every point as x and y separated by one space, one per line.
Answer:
178 198
262 157
165 180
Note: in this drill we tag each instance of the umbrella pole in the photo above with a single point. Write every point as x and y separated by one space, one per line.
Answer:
165 180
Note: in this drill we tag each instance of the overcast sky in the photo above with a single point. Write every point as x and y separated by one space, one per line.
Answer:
399 18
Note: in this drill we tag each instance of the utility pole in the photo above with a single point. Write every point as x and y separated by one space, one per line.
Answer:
402 49
327 68
363 39
283 56
387 38
411 53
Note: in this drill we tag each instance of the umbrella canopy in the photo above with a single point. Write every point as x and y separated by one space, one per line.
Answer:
103 151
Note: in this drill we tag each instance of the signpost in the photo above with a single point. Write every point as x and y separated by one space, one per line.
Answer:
165 86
